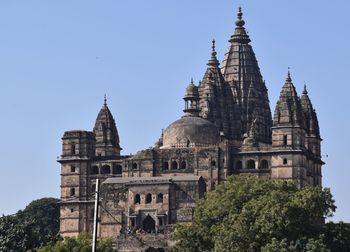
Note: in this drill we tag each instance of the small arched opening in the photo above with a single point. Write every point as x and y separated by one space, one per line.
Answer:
94 170
137 199
72 191
134 166
148 198
264 164
239 165
72 149
117 169
105 169
213 163
160 198
183 165
285 161
165 166
174 165
250 164
149 225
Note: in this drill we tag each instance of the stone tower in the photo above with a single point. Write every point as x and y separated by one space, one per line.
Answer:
78 149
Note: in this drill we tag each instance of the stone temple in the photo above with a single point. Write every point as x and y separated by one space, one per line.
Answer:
227 128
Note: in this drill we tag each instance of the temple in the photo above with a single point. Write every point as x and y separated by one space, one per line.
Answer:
227 128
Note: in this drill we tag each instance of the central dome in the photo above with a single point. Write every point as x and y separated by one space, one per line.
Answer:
190 132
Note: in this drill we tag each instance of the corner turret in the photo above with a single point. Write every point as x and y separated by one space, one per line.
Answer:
191 99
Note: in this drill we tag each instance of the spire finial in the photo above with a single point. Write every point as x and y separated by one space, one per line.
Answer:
288 75
213 62
105 100
191 80
305 90
240 22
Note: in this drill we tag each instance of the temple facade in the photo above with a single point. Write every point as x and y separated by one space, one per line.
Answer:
227 128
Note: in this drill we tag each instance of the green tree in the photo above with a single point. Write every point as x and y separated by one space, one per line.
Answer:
36 225
248 213
337 236
82 243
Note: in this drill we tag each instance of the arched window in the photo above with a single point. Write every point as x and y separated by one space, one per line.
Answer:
285 161
174 165
239 165
134 166
94 170
250 164
183 165
264 164
92 213
213 163
106 169
72 191
160 198
117 169
72 168
93 188
137 199
148 198
285 140
165 166
72 148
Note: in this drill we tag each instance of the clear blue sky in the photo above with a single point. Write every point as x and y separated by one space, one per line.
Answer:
58 59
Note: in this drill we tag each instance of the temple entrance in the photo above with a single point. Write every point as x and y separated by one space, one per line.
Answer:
149 224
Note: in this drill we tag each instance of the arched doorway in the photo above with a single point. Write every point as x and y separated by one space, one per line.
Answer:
149 224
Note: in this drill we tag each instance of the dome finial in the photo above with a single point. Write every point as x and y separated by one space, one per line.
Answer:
213 45
105 100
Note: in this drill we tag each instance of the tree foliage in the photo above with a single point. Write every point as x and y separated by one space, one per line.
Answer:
82 243
251 214
31 228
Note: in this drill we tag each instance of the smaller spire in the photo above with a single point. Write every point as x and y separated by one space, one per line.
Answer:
105 100
191 80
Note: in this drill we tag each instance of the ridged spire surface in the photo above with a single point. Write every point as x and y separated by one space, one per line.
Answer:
240 69
311 121
106 133
216 99
288 110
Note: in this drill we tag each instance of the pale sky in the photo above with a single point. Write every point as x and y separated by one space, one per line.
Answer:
59 58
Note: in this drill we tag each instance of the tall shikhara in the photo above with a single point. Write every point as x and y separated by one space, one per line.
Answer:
241 91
